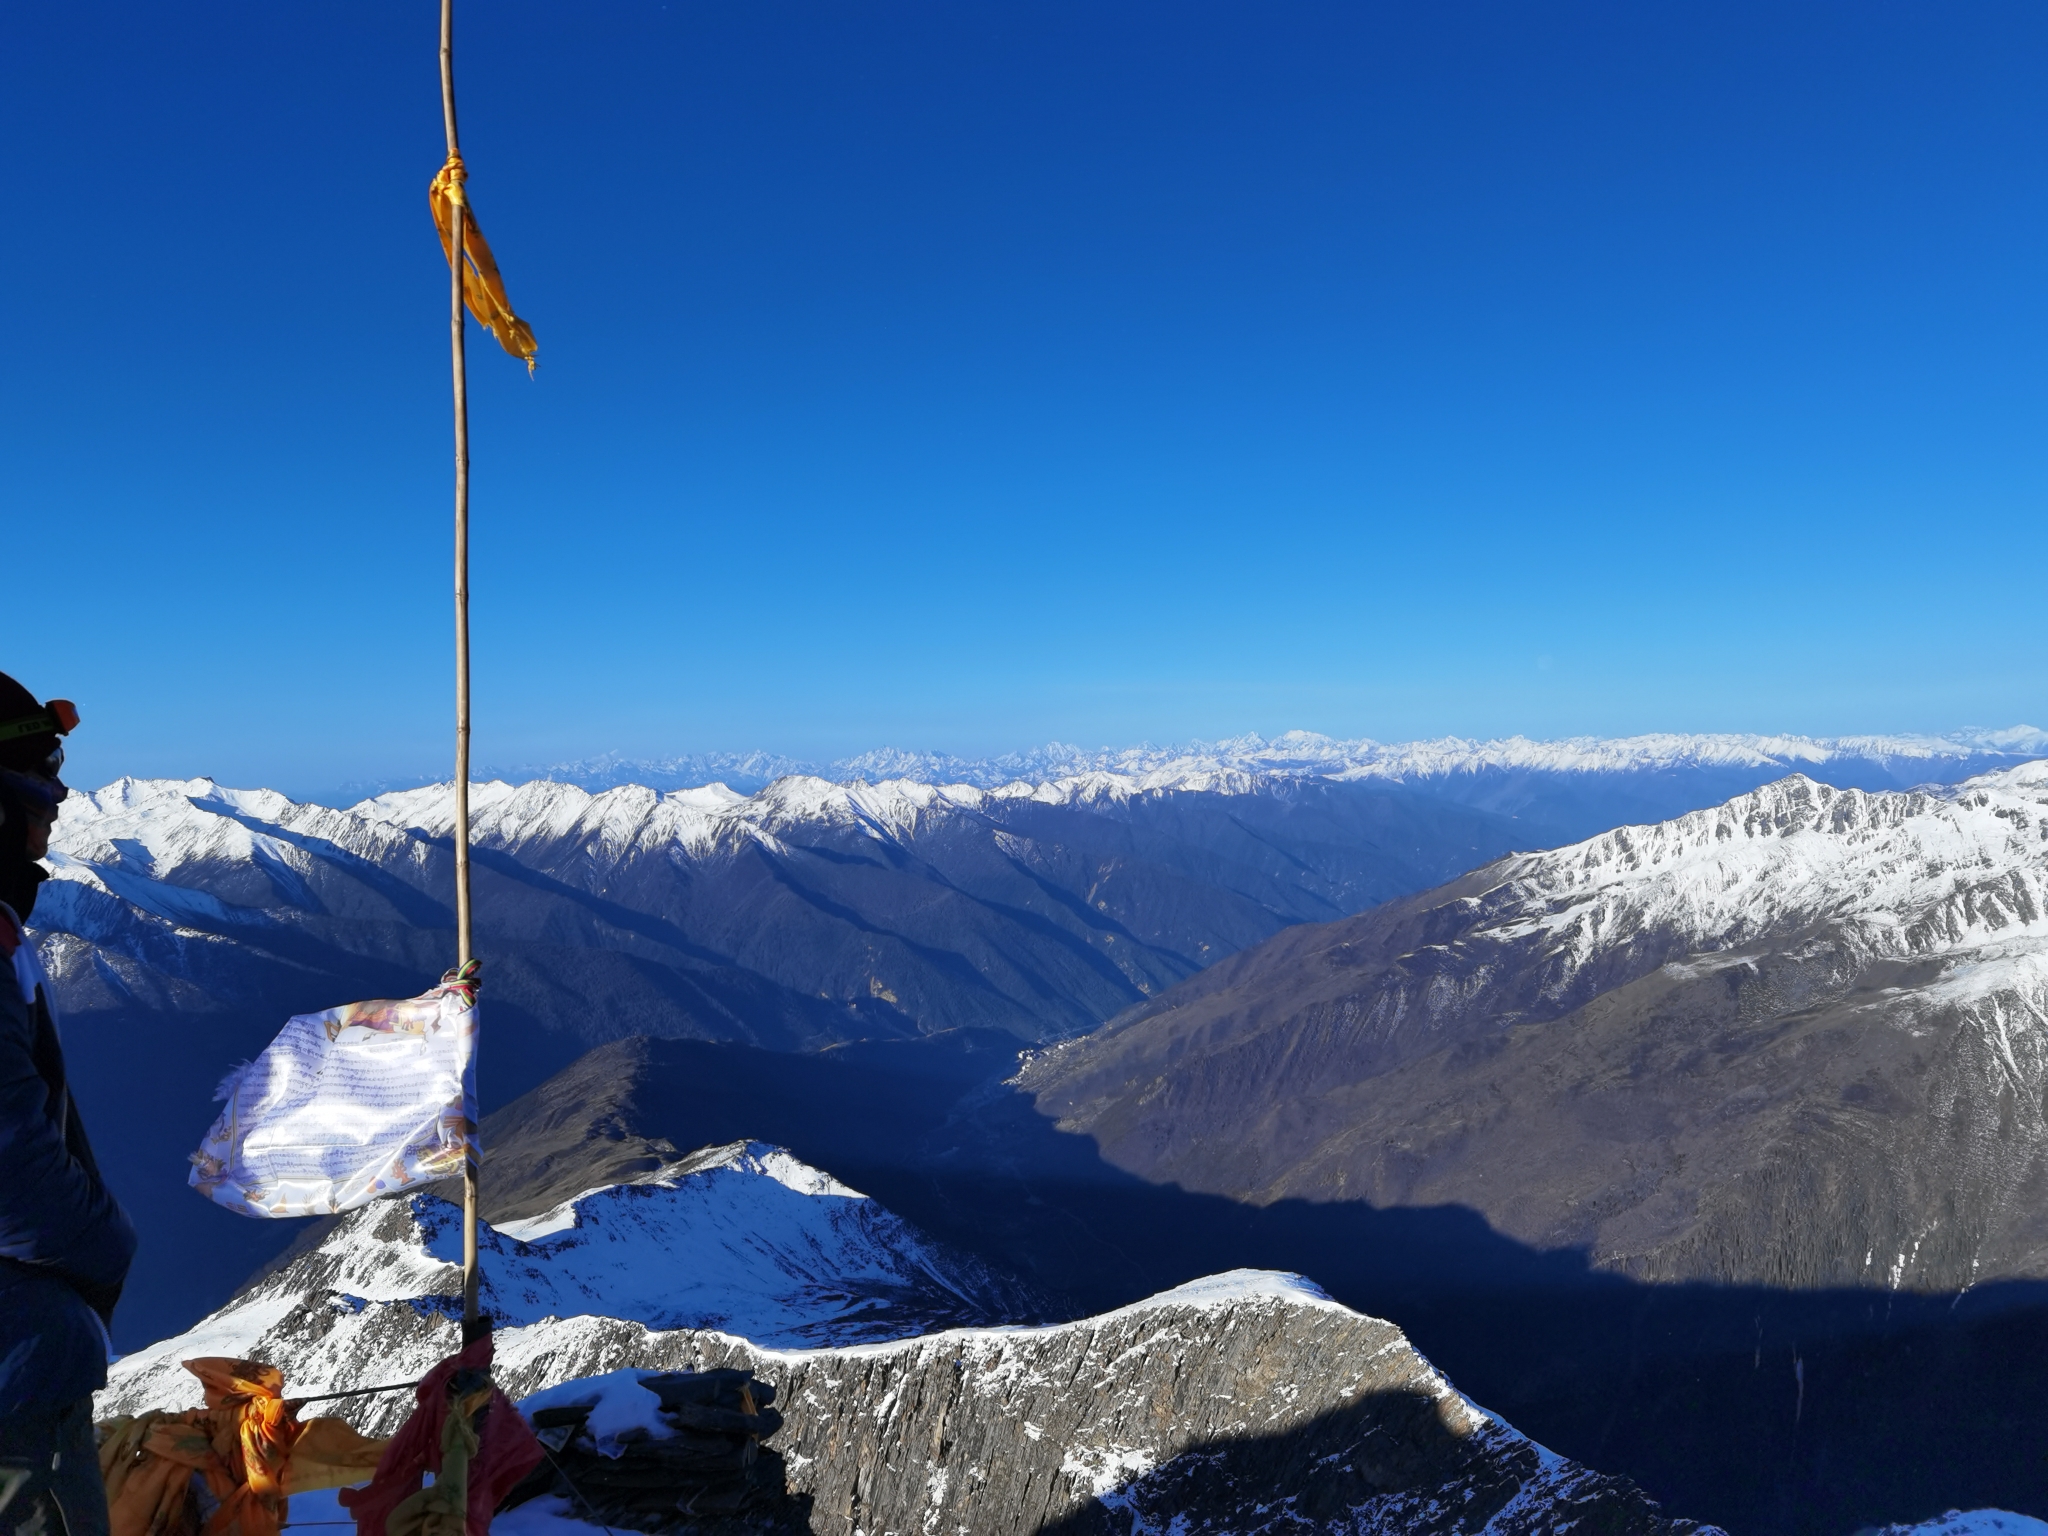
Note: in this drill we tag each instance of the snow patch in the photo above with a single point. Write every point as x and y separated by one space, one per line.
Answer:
620 1408
1975 1522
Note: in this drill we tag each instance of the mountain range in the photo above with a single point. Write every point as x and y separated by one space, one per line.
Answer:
1688 1145
185 921
1513 767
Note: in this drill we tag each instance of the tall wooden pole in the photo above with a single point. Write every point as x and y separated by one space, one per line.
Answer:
456 348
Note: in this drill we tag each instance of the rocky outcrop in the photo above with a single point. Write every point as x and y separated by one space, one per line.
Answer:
1247 1403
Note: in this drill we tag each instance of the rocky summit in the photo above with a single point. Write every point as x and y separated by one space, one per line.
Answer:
1248 1403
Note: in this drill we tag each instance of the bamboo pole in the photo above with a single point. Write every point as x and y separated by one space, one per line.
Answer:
456 346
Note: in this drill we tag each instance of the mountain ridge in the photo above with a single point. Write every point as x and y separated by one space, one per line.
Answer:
1293 752
1246 1401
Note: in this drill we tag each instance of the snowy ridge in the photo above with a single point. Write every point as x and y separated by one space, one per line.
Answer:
745 1239
1298 753
710 816
1237 1403
1909 873
113 827
131 839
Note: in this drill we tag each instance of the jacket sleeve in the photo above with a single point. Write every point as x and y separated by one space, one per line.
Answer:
56 1214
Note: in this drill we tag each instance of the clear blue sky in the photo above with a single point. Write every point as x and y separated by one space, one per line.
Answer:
964 376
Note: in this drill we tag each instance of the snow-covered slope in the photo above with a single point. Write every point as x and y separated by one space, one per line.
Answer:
1247 1402
1952 873
745 1239
1799 1038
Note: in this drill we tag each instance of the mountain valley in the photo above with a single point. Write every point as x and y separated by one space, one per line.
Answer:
1833 1000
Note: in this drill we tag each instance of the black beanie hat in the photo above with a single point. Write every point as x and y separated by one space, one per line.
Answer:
19 874
25 753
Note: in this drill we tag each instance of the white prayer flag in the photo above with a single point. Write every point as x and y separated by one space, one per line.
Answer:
363 1100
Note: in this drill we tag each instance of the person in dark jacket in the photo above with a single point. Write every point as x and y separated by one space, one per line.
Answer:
65 1242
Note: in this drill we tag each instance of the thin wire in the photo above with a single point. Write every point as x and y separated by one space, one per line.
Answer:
323 1397
592 1508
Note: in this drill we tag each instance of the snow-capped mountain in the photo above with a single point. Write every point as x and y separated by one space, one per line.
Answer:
744 1239
1916 758
1800 1038
187 920
807 912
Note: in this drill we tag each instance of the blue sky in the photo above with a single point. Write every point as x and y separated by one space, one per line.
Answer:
965 376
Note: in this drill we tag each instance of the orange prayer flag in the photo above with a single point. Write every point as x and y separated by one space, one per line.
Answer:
483 290
248 1445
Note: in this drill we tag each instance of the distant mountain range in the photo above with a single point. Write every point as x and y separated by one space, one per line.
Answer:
1902 760
187 920
805 913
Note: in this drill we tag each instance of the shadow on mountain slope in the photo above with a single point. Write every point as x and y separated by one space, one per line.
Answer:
1761 1410
1385 1464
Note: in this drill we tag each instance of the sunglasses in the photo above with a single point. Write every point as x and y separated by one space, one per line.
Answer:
47 791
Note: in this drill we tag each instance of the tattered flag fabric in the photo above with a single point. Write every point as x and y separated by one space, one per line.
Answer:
483 290
364 1100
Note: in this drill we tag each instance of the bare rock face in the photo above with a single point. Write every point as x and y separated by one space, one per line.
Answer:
1249 1402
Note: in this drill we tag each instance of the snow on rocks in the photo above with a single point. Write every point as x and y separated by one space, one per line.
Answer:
1248 1402
1917 873
743 1238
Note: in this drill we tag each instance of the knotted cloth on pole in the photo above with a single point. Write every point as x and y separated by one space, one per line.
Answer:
483 290
359 1101
246 1447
